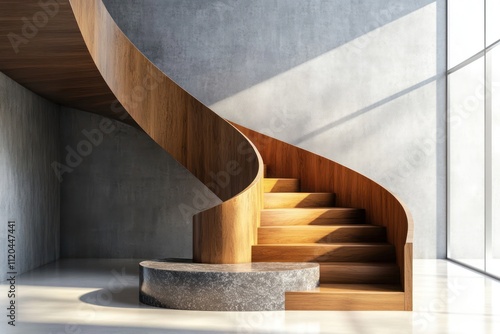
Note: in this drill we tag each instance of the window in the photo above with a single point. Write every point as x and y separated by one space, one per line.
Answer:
474 134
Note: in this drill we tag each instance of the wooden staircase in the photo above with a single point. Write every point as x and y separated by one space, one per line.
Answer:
83 60
358 269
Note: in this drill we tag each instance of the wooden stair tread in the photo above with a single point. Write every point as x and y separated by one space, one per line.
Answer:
354 297
281 185
331 252
359 273
298 200
294 193
321 234
356 288
328 245
359 264
322 227
311 216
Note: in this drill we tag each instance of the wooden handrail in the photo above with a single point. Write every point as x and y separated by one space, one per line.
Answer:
318 174
74 53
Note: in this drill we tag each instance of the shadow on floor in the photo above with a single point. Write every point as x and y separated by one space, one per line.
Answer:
127 297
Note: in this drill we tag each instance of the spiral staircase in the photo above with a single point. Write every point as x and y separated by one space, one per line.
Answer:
280 203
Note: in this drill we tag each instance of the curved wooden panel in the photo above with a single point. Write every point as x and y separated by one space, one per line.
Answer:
318 174
207 145
194 135
41 48
73 53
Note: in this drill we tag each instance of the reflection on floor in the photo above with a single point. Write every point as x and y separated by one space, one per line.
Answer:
491 265
101 296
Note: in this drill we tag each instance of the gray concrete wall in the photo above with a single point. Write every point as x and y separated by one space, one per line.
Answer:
360 82
29 189
122 196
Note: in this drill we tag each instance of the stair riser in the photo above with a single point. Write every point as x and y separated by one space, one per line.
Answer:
314 234
263 253
344 302
281 185
297 200
269 221
289 217
345 274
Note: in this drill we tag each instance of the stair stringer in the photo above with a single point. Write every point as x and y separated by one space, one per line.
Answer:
318 174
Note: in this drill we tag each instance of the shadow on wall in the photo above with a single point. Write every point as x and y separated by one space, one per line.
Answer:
359 82
379 109
215 49
122 195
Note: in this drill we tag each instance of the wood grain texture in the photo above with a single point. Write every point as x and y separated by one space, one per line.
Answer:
207 145
353 297
359 273
320 234
318 174
74 54
311 216
298 200
281 185
339 252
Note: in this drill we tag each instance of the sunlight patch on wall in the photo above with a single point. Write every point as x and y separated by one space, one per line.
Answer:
336 84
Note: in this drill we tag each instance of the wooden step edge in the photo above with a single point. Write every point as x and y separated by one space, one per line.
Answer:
319 208
299 193
375 252
359 273
347 297
349 212
280 185
281 178
321 234
323 227
326 245
318 216
328 288
267 222
298 200
386 266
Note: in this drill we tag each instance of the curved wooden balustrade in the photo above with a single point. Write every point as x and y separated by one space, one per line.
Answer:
73 53
318 174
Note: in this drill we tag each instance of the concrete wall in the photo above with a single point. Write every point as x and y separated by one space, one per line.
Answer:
360 82
29 189
122 196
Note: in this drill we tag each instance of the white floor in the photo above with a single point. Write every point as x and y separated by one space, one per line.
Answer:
100 296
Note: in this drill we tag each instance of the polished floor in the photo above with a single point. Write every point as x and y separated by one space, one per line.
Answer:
100 296
491 265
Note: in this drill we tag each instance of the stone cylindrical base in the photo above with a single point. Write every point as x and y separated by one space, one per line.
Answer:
181 284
